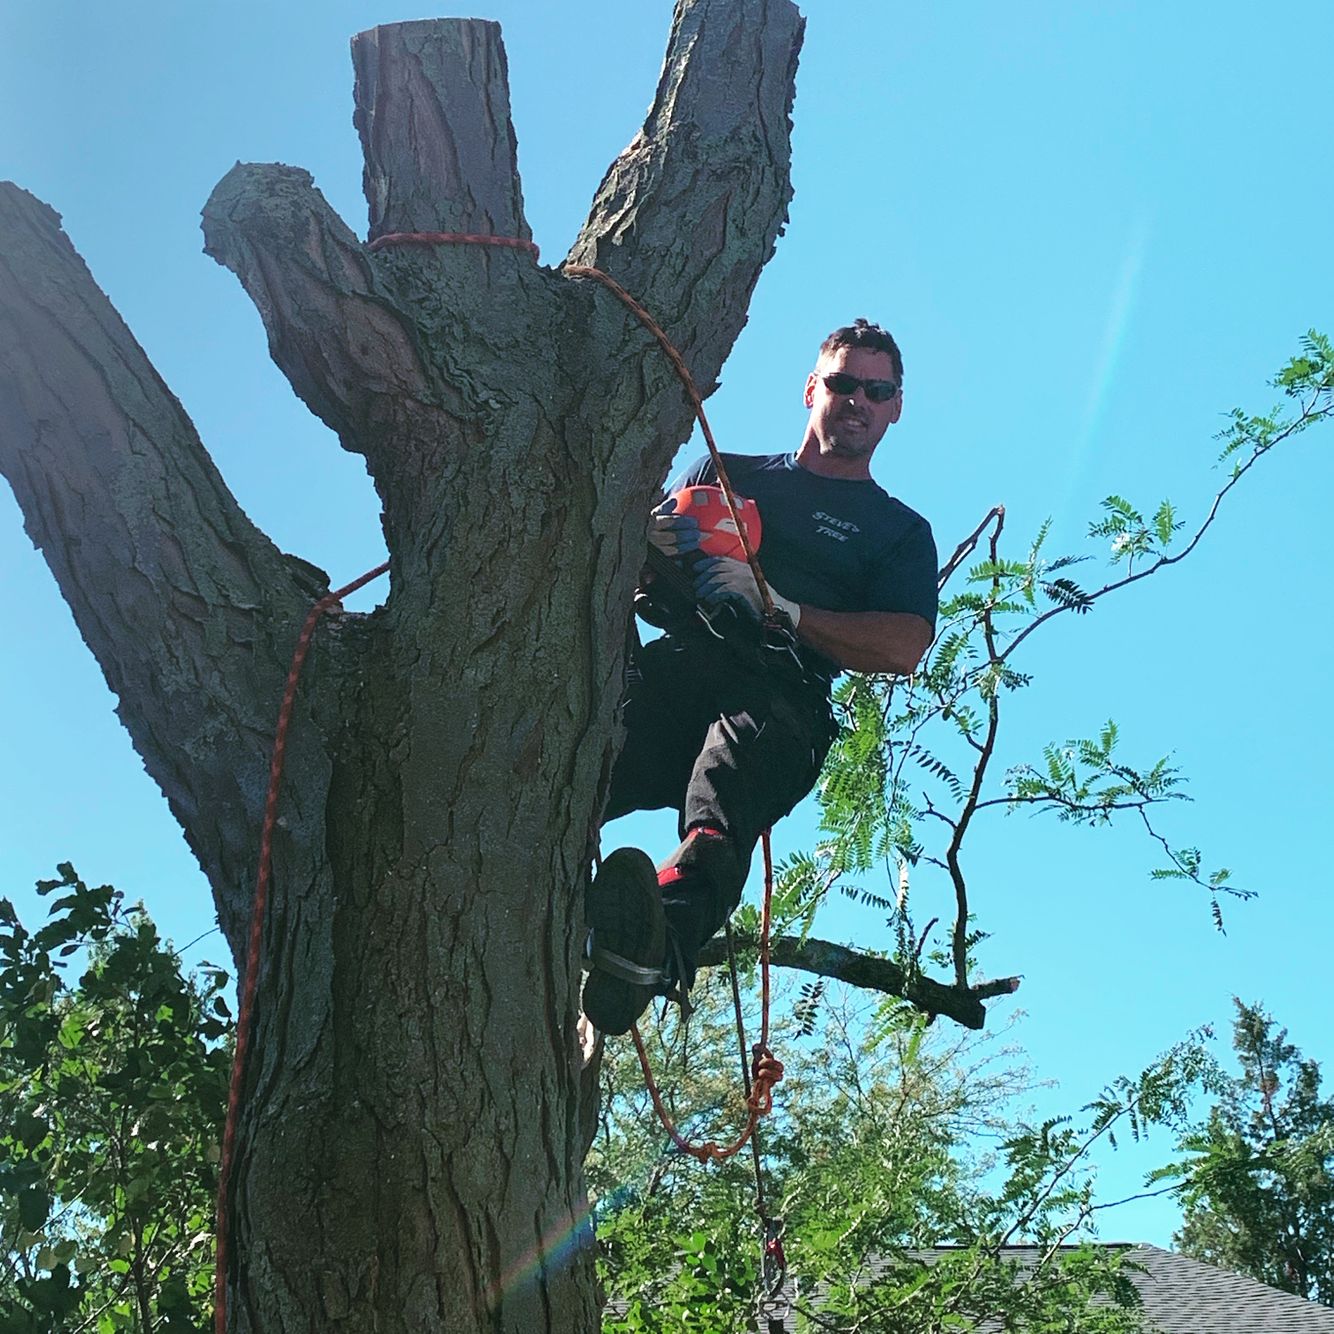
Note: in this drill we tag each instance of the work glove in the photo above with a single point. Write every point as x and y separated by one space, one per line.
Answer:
721 580
674 534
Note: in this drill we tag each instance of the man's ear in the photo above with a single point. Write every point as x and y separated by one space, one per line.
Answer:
896 407
810 390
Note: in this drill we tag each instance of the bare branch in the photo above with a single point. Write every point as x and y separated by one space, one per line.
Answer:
968 546
1174 1189
821 957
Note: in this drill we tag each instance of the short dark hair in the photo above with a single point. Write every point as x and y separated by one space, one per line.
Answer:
862 333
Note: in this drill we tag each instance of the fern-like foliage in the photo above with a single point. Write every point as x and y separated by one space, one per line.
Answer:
806 1009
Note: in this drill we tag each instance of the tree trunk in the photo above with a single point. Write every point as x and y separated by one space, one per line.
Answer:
409 1156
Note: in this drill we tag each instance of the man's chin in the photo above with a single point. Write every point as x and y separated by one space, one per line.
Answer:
849 449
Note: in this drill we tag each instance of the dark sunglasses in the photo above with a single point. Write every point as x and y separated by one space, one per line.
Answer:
843 384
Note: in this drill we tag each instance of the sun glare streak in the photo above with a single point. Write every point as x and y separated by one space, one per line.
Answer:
1119 318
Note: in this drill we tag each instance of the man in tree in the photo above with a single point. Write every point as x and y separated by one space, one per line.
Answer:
726 731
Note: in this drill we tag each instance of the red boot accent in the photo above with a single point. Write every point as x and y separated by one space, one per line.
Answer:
705 829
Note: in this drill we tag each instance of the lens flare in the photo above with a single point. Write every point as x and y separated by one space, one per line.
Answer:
551 1251
1120 316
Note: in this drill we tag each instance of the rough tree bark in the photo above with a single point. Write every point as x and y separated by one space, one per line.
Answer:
409 1154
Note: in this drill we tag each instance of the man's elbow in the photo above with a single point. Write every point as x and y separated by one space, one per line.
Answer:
905 649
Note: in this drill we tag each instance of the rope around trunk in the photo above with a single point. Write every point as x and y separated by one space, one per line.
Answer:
262 879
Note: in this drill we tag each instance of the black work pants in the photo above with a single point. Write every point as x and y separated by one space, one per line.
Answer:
729 747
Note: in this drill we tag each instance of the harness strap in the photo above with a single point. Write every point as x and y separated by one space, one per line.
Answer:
624 969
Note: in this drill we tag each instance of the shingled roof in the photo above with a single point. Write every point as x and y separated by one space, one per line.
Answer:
1185 1296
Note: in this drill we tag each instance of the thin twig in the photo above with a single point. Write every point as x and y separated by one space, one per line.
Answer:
968 546
1077 807
960 945
1067 1167
1235 890
1308 415
1141 1195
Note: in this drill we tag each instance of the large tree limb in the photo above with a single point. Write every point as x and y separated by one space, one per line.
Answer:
186 605
333 330
821 957
711 164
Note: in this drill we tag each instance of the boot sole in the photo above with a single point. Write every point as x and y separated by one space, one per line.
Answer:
624 910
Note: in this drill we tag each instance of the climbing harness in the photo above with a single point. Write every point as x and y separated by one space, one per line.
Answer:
764 1071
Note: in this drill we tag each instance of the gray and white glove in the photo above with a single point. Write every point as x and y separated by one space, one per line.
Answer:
674 533
720 580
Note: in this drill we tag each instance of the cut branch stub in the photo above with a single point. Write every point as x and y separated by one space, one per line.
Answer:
433 113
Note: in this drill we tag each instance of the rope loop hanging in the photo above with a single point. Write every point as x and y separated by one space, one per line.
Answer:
765 1069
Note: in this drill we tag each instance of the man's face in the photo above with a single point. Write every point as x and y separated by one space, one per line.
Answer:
849 426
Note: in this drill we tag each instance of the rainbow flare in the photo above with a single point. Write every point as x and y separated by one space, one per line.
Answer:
551 1251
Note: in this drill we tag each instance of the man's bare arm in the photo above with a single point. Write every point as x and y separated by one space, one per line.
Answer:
867 641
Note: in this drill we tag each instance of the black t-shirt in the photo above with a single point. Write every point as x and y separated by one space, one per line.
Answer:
831 542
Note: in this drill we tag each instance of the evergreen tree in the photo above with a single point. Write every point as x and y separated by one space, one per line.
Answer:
1258 1188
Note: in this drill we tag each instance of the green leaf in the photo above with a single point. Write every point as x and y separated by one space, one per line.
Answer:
34 1208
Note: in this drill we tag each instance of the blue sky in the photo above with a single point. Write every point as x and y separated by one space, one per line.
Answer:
1094 230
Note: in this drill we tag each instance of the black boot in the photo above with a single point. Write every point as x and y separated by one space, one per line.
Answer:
627 941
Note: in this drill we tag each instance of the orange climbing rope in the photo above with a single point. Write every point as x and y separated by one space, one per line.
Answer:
767 1070
262 877
697 403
